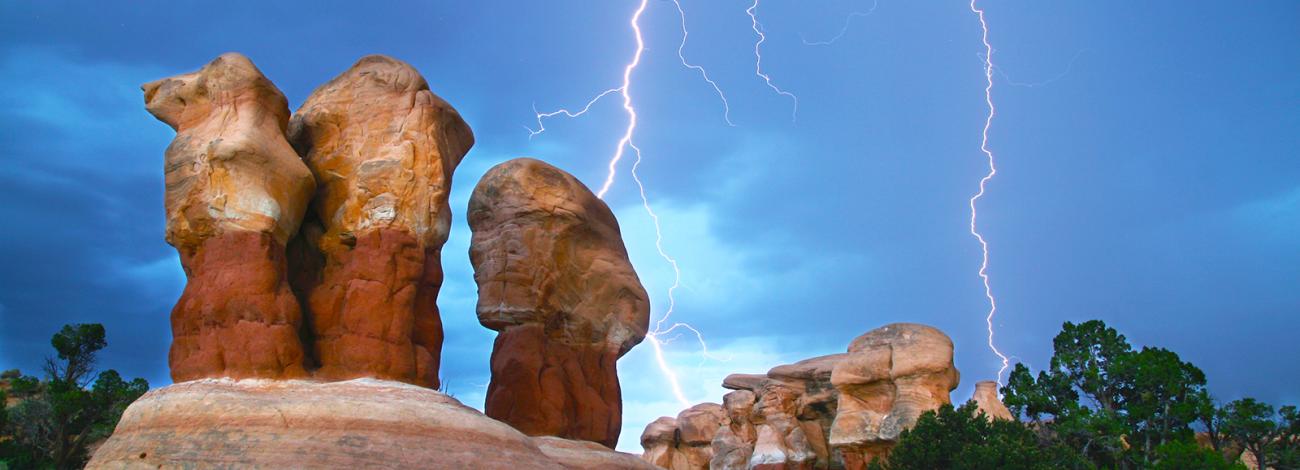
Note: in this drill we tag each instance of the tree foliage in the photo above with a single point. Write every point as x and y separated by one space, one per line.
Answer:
1271 435
57 417
1116 406
963 438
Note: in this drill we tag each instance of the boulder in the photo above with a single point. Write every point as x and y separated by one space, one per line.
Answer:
235 194
890 376
383 148
555 283
362 423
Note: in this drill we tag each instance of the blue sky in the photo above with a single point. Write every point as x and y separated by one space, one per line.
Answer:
1149 157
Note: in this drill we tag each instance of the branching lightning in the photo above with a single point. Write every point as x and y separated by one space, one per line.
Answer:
984 147
726 106
758 59
843 30
626 142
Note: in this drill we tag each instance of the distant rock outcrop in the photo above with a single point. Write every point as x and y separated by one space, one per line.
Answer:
555 281
235 194
987 401
829 412
383 149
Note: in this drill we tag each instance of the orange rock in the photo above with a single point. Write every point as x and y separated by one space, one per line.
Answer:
890 376
986 398
236 192
554 279
383 149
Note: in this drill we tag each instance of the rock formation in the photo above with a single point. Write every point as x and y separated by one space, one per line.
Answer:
685 442
555 283
891 375
987 401
659 440
828 412
361 423
235 194
383 148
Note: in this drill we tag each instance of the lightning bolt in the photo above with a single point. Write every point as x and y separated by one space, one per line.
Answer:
752 11
726 106
993 170
626 142
843 30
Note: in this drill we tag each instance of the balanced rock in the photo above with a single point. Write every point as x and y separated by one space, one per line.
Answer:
235 194
987 401
383 149
890 376
555 281
362 423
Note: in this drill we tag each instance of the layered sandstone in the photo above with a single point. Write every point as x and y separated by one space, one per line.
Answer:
890 376
684 442
383 148
555 282
829 412
987 401
363 423
235 194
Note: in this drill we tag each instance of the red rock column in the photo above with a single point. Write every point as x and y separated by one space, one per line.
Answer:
236 193
555 282
383 149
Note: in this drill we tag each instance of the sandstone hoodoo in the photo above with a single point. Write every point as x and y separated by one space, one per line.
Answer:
828 412
235 194
555 283
987 401
383 149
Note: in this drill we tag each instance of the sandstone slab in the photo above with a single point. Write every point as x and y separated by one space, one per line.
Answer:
363 423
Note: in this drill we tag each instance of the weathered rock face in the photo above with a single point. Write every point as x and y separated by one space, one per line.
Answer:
829 412
686 442
659 439
383 149
734 442
362 423
236 193
986 398
554 280
782 442
890 376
